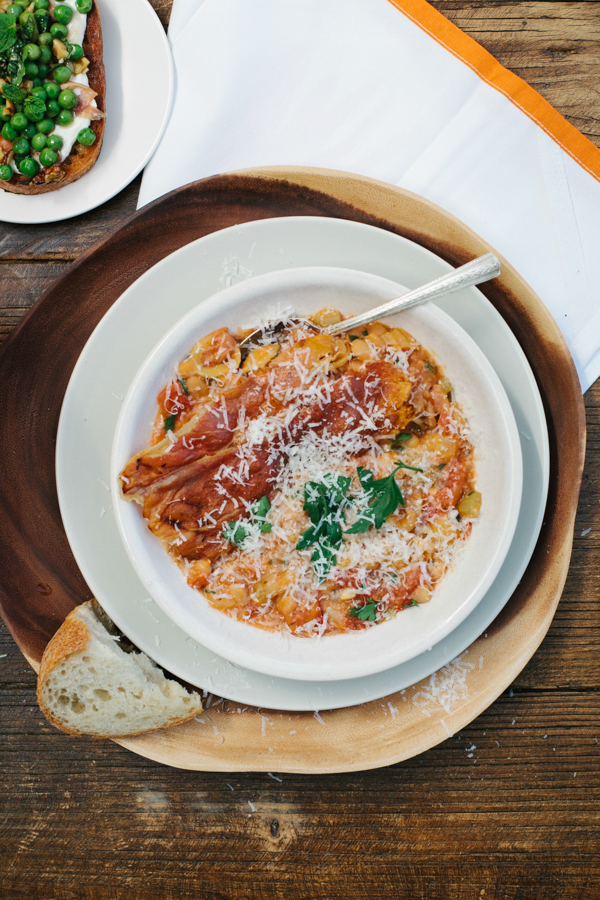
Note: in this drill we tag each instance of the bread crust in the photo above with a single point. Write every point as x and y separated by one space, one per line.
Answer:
72 637
81 159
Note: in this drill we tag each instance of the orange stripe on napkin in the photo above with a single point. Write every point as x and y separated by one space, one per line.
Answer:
518 91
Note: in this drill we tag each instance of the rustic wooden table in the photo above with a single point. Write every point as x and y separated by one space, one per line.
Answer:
508 808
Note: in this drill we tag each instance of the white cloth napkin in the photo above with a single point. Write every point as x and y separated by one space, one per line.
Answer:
358 85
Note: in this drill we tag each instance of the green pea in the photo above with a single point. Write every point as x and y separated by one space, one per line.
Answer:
52 109
44 70
45 55
52 89
86 137
67 99
48 158
55 142
4 117
31 51
31 70
40 92
45 39
28 167
65 117
9 133
36 116
19 122
41 4
6 173
36 82
29 131
15 10
63 14
45 126
21 147
39 141
58 30
60 74
75 51
84 6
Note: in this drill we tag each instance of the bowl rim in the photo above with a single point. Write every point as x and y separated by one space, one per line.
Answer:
221 637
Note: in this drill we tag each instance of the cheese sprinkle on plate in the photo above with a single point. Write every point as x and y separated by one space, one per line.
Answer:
319 485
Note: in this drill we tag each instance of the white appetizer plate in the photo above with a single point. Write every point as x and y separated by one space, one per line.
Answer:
115 352
477 389
139 95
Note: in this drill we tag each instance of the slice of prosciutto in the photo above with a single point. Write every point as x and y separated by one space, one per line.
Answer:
85 95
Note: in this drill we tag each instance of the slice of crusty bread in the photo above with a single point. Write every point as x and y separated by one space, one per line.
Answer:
89 685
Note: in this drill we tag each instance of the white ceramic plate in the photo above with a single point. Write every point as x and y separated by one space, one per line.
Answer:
108 365
139 94
499 474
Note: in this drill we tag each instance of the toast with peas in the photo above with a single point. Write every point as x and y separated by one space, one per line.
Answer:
52 93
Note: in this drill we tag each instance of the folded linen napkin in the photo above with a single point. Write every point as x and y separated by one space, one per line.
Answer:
392 90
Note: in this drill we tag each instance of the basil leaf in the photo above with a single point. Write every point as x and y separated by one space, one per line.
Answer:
170 423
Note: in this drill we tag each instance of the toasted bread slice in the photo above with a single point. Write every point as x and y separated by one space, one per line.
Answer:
81 159
89 685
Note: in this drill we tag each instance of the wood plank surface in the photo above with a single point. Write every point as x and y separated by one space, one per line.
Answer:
508 808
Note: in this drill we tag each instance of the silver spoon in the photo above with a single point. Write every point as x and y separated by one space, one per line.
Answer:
475 272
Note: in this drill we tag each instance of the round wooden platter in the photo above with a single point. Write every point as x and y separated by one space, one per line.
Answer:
39 579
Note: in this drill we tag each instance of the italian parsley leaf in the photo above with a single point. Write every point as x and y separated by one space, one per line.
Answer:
184 386
398 442
235 532
14 94
366 613
260 511
385 498
324 503
8 31
170 422
238 531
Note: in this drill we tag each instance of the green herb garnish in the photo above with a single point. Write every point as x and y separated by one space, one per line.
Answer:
235 532
399 440
413 602
366 613
184 386
353 337
260 511
365 333
440 467
385 498
34 106
8 32
238 531
14 94
324 503
170 422
430 367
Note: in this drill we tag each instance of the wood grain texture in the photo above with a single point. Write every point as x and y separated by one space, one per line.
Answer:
82 819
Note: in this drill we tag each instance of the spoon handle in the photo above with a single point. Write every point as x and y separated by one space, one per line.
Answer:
475 272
